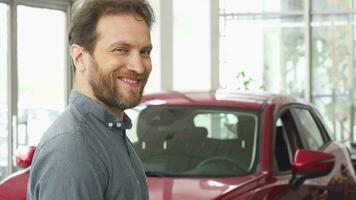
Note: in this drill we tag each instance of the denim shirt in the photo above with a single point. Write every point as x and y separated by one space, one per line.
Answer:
86 155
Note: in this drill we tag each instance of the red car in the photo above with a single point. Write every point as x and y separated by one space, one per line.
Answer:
228 145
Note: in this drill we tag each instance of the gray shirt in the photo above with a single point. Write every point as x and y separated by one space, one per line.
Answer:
85 154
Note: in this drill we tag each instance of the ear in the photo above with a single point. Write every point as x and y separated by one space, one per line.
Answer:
77 53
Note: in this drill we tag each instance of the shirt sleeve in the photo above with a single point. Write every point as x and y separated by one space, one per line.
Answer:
67 168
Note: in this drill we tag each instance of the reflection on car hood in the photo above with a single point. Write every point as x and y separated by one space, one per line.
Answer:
200 188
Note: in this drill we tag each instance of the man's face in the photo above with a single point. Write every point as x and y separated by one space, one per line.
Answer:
121 63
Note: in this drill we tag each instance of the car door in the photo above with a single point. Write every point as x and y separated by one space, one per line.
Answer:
313 136
286 142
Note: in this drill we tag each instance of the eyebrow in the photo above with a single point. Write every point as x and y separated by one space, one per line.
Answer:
120 43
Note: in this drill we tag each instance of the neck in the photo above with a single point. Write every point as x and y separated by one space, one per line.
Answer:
119 113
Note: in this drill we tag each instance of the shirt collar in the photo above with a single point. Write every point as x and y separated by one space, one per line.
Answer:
87 105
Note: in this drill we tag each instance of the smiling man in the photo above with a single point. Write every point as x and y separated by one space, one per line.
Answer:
85 154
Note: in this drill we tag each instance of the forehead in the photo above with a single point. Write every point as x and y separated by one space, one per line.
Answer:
128 27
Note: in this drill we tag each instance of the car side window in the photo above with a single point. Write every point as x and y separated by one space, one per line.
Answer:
311 135
285 143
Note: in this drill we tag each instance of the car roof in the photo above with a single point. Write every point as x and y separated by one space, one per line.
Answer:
221 98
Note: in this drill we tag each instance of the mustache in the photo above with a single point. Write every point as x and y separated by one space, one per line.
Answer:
131 75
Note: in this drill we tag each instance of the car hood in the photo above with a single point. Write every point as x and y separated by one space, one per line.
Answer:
200 188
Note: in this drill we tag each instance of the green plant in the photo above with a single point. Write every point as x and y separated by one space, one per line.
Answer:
247 82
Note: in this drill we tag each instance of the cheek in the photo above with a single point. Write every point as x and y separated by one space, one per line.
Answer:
110 63
113 66
148 66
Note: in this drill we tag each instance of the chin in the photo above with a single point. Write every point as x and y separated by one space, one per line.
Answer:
132 97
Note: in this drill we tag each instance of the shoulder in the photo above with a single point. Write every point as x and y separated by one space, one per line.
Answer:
70 155
66 146
69 122
67 165
66 140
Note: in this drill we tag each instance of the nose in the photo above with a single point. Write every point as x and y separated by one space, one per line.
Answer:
136 63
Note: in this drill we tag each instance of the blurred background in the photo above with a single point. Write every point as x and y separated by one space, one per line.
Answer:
304 48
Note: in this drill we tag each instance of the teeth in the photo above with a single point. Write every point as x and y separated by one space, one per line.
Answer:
130 81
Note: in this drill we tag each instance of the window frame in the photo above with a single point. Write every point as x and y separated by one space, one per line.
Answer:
292 140
12 66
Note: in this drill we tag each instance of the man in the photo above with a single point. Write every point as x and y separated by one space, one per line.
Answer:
85 154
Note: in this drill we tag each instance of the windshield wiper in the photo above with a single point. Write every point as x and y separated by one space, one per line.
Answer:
162 174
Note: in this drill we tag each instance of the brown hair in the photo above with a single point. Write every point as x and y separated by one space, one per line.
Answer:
87 13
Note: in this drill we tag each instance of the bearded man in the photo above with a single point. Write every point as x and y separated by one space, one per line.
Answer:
85 154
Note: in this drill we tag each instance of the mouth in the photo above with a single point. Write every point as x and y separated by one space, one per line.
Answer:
132 82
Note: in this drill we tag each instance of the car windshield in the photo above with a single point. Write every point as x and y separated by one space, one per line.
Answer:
194 141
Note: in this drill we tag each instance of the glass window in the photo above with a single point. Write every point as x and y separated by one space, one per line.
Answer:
337 113
154 82
194 141
269 53
243 6
274 32
332 71
331 5
310 134
3 89
41 70
332 53
224 127
191 45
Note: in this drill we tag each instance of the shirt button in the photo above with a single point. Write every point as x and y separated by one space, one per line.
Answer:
110 124
118 125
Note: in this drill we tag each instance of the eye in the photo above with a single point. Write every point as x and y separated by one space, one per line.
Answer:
121 50
146 52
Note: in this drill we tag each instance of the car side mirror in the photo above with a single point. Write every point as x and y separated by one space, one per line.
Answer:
24 156
310 164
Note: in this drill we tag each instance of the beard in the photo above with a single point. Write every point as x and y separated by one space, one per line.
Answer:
106 89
